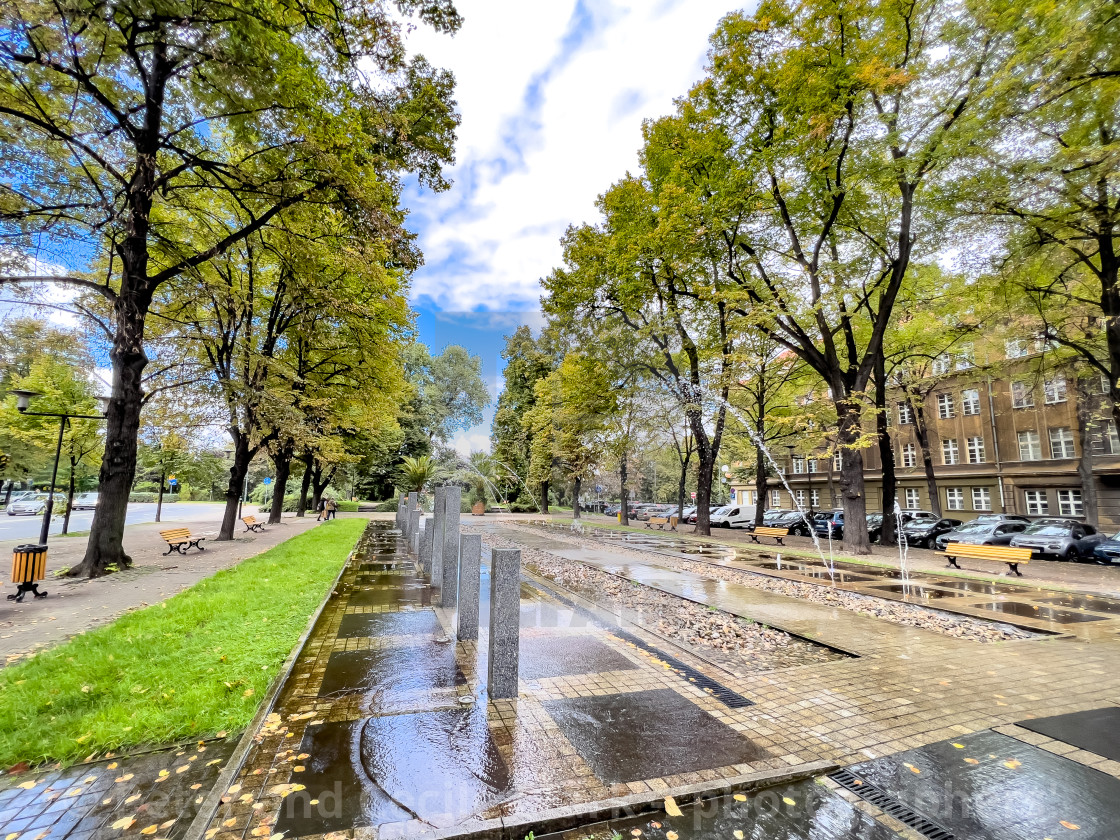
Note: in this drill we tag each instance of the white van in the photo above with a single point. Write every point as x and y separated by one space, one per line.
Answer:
733 516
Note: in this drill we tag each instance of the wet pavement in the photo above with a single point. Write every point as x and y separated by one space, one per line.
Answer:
154 795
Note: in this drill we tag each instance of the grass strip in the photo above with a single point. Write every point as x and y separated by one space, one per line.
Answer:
189 667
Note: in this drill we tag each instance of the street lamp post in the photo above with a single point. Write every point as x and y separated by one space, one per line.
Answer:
23 402
790 447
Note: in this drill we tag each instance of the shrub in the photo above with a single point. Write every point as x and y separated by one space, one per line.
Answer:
151 498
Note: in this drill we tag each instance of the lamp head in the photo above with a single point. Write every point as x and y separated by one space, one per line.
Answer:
23 397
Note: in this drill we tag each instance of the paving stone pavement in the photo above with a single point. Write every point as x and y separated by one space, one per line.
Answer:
74 606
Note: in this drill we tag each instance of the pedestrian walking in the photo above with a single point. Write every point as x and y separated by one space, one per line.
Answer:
322 508
332 509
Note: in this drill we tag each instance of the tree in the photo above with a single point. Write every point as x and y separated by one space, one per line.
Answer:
128 121
527 361
450 387
416 473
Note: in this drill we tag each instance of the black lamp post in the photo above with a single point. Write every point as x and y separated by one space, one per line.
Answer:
23 401
790 447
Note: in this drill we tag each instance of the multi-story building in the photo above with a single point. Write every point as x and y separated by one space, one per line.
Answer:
1023 433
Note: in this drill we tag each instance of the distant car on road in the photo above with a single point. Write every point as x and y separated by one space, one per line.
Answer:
1062 539
85 501
982 532
34 505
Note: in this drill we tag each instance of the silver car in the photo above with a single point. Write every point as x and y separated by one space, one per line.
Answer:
1062 539
983 532
34 505
85 501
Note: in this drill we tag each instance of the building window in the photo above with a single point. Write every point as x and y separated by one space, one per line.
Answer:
1054 390
1069 503
1105 387
1061 442
954 498
1030 446
905 415
775 498
814 465
970 401
815 498
950 452
798 465
1042 344
981 498
976 450
800 498
1037 505
945 407
912 498
909 455
966 358
941 364
837 464
1110 439
1022 395
1016 348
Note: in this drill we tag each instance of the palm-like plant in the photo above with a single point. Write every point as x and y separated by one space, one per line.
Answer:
416 472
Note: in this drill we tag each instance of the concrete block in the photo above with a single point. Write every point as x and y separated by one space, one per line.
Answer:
449 582
470 560
439 515
505 620
426 545
414 532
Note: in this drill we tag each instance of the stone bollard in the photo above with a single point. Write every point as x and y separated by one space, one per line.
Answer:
410 506
426 546
449 583
505 622
400 512
470 559
414 532
436 570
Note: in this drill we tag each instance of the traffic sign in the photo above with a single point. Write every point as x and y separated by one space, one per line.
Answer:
267 480
598 488
172 481
694 495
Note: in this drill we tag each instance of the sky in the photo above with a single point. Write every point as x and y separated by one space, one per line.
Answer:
552 97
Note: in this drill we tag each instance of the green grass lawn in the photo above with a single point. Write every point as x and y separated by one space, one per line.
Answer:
190 667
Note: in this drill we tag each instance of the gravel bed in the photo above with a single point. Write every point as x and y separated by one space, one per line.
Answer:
736 643
896 612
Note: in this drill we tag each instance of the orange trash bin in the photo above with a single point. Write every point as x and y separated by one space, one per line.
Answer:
29 564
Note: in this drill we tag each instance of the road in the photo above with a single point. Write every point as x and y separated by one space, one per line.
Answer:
27 527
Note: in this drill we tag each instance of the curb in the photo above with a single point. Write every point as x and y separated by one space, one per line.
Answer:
573 816
213 800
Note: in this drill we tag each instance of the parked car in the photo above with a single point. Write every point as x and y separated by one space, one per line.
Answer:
1062 539
769 517
793 521
921 533
644 511
711 510
830 520
983 532
733 516
874 526
612 509
1003 517
85 501
34 505
687 512
1108 551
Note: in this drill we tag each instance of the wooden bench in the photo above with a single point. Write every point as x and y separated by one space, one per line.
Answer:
1001 553
776 533
180 540
251 523
661 522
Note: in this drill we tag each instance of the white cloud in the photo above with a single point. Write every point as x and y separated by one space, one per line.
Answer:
552 103
476 439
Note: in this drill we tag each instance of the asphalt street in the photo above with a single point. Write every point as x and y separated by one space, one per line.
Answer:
27 527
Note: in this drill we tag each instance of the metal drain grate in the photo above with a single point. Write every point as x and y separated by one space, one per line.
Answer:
891 806
725 695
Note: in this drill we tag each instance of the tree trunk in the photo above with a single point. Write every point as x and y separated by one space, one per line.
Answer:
888 531
1085 462
575 496
122 425
544 497
851 478
624 510
8 494
761 487
319 483
69 499
706 463
242 456
159 499
301 508
282 460
682 485
921 432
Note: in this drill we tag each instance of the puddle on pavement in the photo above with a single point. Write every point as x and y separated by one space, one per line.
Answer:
409 623
994 787
1084 602
1096 730
1041 613
390 597
802 811
394 671
542 657
977 586
914 591
813 571
648 734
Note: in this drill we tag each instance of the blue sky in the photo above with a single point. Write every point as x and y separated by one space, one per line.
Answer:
552 97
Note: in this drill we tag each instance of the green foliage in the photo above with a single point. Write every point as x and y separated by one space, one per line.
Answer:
417 472
194 665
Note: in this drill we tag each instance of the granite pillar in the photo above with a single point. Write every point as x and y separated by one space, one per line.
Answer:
426 546
410 506
470 559
449 582
414 532
505 621
436 569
